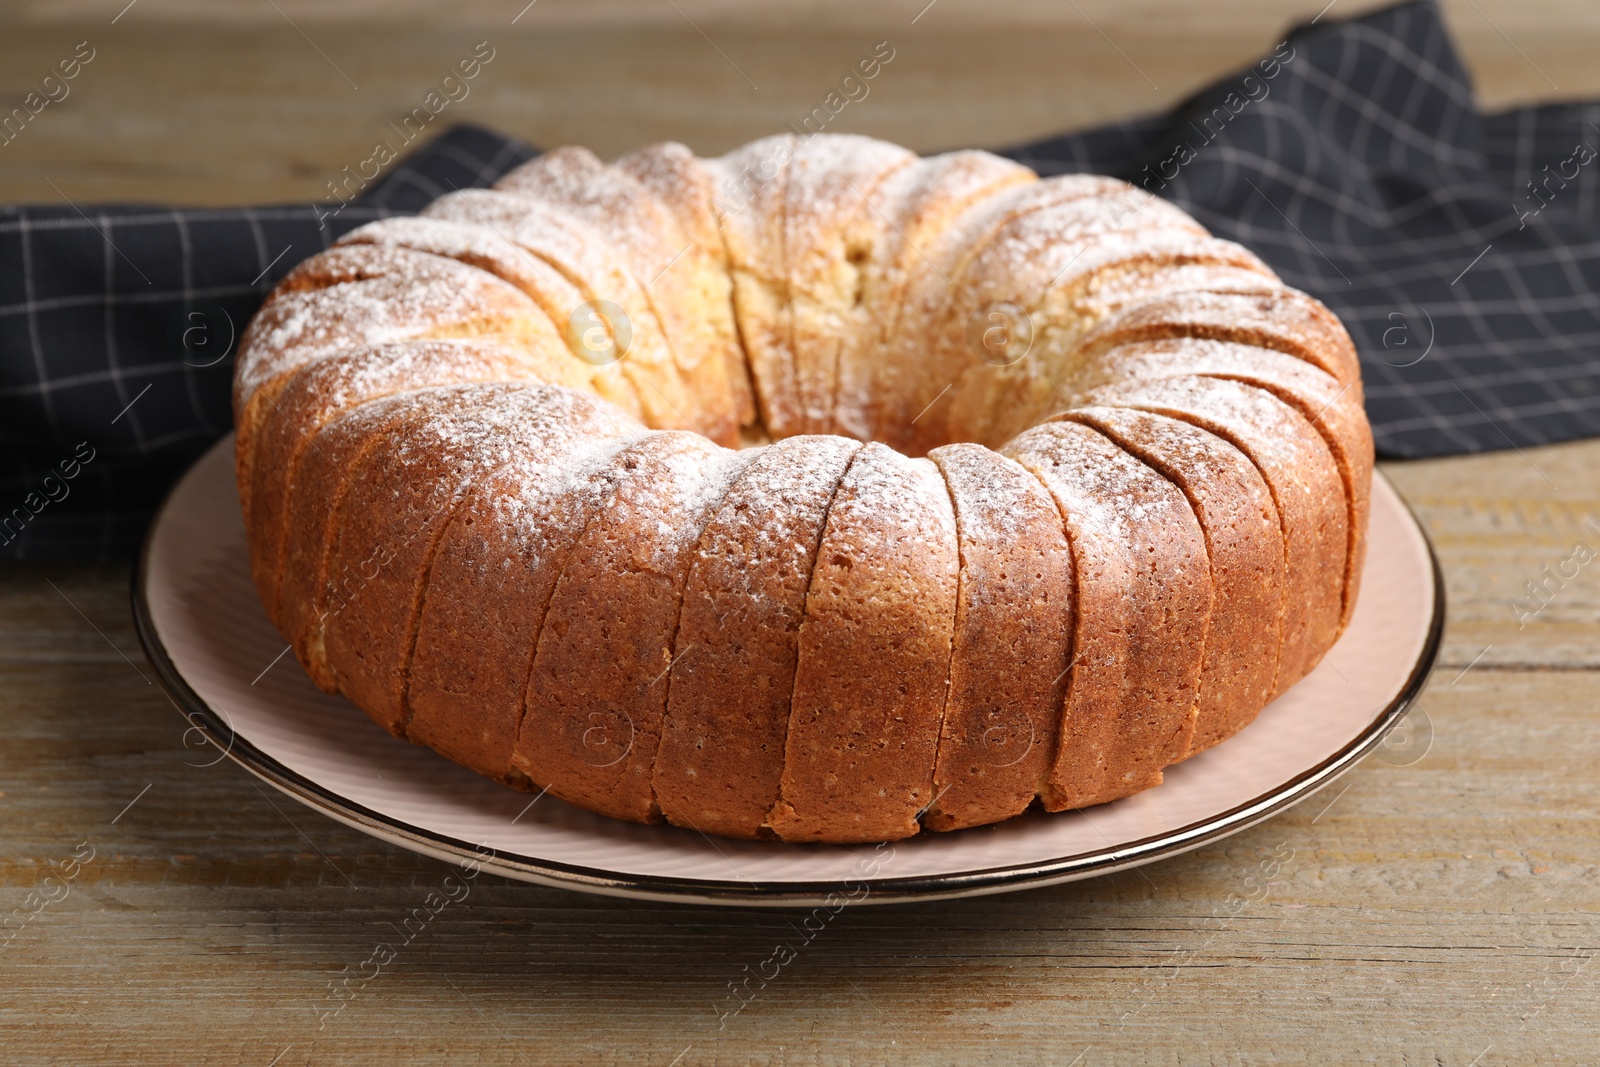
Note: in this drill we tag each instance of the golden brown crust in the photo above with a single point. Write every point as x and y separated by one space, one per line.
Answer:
1143 602
926 375
398 498
1327 405
998 280
749 200
1305 485
831 232
1244 545
1112 291
301 405
815 640
678 179
913 209
657 252
598 689
484 247
991 404
349 297
489 586
588 260
1281 319
722 743
874 648
1012 644
309 594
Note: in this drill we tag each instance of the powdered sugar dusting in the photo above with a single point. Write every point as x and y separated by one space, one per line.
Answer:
895 505
297 327
782 483
1274 432
1115 292
858 270
477 244
998 502
1110 497
612 201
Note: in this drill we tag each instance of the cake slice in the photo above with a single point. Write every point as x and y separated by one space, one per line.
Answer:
991 404
488 589
647 238
832 232
686 187
913 206
933 328
1244 546
398 499
352 297
909 384
633 344
1306 490
869 688
590 733
749 200
1012 646
319 392
722 742
323 334
997 289
1282 319
1143 604
308 592
484 247
1327 405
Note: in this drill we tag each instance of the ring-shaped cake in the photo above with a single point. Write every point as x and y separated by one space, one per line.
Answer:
818 492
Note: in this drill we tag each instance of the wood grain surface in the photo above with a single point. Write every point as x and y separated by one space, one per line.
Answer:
1437 906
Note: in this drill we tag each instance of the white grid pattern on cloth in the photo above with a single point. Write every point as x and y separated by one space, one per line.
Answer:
1364 177
87 299
1367 178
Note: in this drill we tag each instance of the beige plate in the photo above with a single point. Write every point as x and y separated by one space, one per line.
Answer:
223 663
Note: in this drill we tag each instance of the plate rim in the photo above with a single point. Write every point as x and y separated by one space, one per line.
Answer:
880 890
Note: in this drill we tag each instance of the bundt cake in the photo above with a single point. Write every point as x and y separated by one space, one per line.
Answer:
819 492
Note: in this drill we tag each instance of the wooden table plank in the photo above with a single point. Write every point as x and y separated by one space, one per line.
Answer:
237 103
1422 910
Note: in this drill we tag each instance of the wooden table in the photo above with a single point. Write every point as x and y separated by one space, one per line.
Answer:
1437 906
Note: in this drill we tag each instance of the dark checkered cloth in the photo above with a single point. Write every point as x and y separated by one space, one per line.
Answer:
1461 250
117 330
